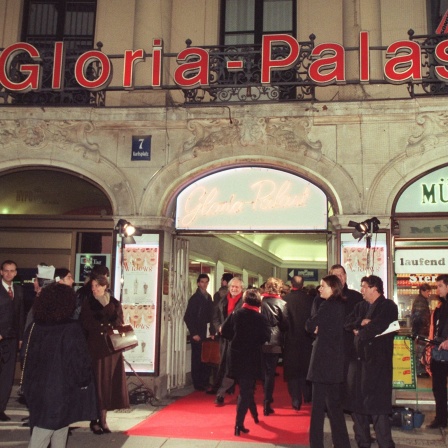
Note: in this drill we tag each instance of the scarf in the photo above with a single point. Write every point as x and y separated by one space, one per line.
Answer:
267 295
104 300
232 301
251 307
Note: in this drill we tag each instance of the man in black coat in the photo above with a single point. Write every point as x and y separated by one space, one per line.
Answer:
369 382
298 343
12 321
197 317
439 370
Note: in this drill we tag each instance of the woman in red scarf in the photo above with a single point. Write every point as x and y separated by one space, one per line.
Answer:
273 307
230 303
246 330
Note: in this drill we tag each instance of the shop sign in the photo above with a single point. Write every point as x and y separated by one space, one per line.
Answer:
421 261
403 376
252 198
403 64
429 194
423 228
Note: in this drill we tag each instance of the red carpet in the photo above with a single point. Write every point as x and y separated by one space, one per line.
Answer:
197 417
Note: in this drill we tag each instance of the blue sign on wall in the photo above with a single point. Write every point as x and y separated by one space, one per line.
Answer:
307 274
141 147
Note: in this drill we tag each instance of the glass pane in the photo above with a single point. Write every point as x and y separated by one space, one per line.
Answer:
239 39
42 20
277 15
240 15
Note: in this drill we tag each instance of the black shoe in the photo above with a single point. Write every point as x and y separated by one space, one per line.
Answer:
239 429
267 408
4 417
96 428
296 405
436 424
219 401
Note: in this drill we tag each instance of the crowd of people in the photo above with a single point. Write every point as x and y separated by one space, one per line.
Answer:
333 342
69 374
334 345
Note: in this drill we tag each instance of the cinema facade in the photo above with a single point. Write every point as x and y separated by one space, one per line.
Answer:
215 151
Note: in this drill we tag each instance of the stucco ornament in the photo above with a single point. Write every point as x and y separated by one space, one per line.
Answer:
432 132
38 134
287 133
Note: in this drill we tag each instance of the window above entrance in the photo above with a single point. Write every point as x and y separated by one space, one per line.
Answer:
252 198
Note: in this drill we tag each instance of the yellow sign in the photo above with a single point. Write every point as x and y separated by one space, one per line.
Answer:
403 363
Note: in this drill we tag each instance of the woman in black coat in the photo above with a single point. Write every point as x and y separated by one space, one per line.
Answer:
247 330
326 370
57 375
98 313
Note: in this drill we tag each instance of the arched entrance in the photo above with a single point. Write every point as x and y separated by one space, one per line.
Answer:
52 216
251 221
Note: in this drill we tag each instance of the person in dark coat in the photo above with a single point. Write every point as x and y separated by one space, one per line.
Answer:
58 381
12 321
273 307
420 321
98 312
326 369
439 370
247 329
369 382
231 302
298 343
198 316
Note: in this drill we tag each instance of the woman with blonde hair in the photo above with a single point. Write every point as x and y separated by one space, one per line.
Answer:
273 307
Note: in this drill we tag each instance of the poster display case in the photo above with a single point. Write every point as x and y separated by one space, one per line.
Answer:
138 276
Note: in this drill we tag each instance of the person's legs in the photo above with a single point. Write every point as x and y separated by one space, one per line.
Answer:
381 425
40 437
439 380
295 392
244 399
59 438
196 374
8 351
361 427
270 364
226 384
335 413
317 416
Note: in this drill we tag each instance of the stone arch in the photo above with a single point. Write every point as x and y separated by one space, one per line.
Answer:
159 200
424 152
64 144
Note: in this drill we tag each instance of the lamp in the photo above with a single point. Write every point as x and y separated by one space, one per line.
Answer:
365 229
125 228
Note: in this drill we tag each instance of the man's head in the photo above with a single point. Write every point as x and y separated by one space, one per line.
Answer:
8 271
202 282
425 290
297 282
225 279
442 285
235 286
371 288
339 271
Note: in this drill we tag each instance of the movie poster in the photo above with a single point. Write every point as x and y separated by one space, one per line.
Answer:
359 261
139 291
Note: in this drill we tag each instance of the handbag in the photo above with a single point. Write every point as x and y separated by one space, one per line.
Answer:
210 352
439 355
121 338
